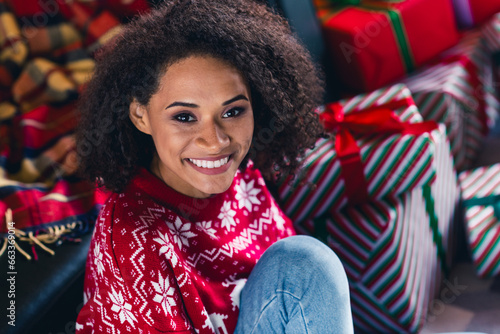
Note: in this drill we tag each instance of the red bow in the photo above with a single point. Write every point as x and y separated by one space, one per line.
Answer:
372 120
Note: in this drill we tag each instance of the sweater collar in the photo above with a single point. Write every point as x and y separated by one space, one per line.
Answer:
192 209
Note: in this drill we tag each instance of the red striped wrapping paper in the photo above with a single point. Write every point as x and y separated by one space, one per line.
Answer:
459 91
393 163
481 199
396 250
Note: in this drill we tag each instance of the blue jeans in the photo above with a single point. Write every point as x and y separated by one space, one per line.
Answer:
298 286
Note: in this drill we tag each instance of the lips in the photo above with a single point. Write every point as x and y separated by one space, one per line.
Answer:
211 166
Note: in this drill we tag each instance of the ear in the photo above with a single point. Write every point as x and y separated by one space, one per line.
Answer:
139 116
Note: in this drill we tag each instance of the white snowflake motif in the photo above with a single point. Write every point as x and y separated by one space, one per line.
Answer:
181 232
246 195
164 294
277 217
98 260
207 228
227 215
167 249
123 309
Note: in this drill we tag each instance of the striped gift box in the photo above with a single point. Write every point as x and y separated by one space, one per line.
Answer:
459 92
491 33
396 250
392 163
491 36
481 199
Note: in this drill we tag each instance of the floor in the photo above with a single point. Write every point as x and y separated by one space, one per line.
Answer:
473 304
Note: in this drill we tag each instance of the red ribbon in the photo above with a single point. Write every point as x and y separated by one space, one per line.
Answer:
369 121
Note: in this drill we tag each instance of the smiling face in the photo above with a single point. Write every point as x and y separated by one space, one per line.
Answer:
201 122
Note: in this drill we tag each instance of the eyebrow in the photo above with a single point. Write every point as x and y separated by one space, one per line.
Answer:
192 105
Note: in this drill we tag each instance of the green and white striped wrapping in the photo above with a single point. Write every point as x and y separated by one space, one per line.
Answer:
395 250
491 33
481 199
446 93
393 164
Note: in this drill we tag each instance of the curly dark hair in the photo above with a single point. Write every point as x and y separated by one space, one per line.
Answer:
285 84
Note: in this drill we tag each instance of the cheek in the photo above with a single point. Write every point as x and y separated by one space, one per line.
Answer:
168 143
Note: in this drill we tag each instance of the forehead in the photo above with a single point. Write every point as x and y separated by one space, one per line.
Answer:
203 76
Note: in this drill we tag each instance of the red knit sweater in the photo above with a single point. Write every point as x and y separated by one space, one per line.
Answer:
161 262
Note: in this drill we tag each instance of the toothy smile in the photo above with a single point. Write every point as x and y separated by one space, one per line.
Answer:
210 163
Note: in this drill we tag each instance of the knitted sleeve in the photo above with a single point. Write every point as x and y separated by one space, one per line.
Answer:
129 282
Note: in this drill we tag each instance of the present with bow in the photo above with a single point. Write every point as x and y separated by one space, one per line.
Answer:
470 13
381 146
481 202
385 244
374 42
459 91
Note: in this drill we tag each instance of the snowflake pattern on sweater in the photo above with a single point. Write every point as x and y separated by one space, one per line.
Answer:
161 262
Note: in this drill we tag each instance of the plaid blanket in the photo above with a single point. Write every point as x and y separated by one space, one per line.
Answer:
46 57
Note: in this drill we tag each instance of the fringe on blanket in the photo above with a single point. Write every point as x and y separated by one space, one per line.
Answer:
50 234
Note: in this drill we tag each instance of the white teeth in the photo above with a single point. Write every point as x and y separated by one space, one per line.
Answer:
210 164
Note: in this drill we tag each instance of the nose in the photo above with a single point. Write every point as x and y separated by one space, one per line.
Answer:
212 137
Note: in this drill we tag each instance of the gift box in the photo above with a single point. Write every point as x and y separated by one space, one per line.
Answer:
458 90
470 13
13 48
481 201
397 249
491 33
372 43
380 147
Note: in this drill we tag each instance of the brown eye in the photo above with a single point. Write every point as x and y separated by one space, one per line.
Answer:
234 112
184 118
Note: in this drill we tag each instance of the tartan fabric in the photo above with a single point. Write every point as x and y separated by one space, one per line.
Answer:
96 26
51 39
46 57
13 49
41 82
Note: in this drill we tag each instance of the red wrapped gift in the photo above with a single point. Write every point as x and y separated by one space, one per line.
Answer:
374 42
470 13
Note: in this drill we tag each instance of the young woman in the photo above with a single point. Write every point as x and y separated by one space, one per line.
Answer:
186 107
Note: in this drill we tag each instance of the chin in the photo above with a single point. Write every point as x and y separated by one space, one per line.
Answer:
213 189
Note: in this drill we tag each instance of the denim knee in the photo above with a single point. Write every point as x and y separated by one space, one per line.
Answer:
309 258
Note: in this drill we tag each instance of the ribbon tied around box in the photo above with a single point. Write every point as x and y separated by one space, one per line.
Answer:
374 120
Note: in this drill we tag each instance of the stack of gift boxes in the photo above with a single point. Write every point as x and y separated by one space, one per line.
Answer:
389 188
